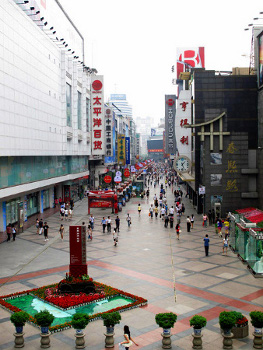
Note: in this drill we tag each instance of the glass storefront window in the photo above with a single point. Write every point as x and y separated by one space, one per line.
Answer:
68 102
79 110
46 199
12 211
32 204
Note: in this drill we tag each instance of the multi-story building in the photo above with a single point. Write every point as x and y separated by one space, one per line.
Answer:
45 111
222 173
120 103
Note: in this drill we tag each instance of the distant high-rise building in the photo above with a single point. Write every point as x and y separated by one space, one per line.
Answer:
120 104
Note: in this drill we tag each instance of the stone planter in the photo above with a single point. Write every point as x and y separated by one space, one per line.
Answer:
166 342
109 340
19 340
45 340
80 341
257 341
227 339
197 341
240 332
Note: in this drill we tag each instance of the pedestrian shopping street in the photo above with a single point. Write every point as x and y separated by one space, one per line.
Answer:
146 262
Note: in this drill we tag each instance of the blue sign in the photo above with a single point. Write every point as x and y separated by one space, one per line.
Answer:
127 150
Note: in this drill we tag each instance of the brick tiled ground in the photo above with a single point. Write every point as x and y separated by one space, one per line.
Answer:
140 264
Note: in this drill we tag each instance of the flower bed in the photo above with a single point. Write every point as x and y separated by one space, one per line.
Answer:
69 301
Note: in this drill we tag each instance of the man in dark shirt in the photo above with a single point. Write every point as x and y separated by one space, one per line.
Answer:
40 226
46 227
117 220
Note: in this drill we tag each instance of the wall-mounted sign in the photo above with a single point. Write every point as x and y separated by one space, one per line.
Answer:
97 115
169 123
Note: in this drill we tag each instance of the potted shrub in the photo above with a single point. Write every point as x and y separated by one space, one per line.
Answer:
166 321
19 319
198 322
257 321
110 319
44 319
227 321
79 322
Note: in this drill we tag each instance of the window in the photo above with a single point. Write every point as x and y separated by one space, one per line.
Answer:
87 114
68 101
79 110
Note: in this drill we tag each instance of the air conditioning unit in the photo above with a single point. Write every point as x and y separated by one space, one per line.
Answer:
69 135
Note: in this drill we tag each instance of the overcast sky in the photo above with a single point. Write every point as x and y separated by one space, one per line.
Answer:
133 42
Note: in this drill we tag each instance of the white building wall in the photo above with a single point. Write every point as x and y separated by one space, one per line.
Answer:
32 90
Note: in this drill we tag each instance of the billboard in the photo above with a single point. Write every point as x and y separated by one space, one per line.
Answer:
97 116
260 59
170 107
193 57
155 146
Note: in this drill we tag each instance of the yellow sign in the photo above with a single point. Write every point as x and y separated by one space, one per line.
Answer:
232 167
231 148
121 149
231 186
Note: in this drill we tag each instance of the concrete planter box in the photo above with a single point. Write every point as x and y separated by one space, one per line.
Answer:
240 332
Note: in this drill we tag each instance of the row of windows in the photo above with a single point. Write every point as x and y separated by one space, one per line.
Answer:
79 108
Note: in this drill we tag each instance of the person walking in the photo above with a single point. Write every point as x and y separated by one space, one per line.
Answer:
8 232
89 233
156 211
40 227
171 221
117 221
206 244
62 212
166 220
45 228
128 219
151 211
128 342
61 231
225 245
210 219
188 224
37 226
13 229
192 219
205 219
219 227
103 223
108 221
115 237
178 231
91 221
139 209
66 214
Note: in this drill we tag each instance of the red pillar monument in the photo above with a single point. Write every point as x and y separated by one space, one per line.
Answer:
77 245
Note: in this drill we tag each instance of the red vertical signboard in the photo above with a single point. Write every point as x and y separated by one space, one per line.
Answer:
77 244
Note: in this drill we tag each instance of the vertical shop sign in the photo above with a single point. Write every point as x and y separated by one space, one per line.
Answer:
169 124
97 115
121 149
127 150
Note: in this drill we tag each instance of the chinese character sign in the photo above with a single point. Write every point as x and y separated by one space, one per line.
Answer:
170 103
183 118
127 150
121 149
97 116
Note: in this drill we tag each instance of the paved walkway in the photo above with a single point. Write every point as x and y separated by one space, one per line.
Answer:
141 264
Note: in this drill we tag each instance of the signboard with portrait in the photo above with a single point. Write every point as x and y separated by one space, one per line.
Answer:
215 158
216 179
